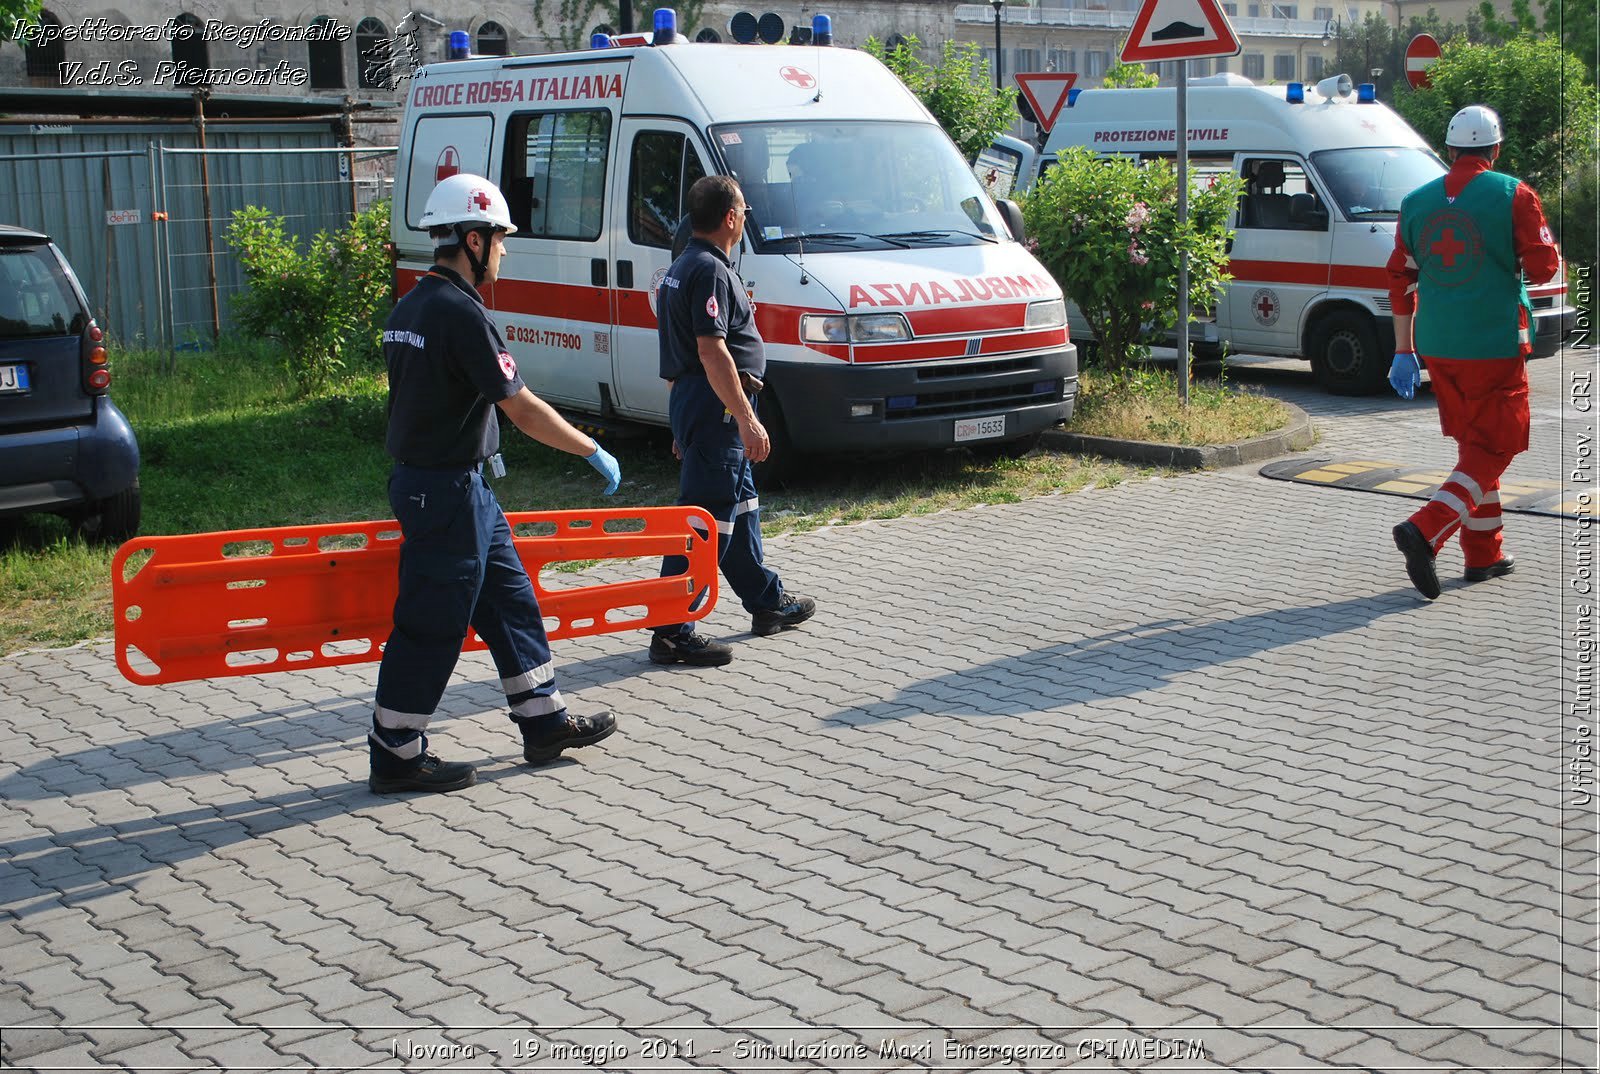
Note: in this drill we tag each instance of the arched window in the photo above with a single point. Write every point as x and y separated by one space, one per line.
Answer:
326 57
492 40
373 60
44 61
189 50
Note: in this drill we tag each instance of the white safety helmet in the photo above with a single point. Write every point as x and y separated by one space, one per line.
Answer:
1472 127
468 200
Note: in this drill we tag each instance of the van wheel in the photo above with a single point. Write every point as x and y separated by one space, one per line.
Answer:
114 519
1344 354
782 462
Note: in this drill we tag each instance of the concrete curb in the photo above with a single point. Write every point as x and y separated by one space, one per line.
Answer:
1298 435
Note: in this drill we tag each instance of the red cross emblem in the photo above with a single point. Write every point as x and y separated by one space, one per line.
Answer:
480 199
796 76
449 164
1448 247
1266 306
1371 126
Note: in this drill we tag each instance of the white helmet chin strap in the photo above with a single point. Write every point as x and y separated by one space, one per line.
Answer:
479 268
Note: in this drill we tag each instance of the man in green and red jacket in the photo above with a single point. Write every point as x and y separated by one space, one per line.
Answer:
1465 247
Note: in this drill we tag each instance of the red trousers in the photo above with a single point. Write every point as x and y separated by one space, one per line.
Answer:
1483 407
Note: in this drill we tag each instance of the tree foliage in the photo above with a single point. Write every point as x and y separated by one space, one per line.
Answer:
324 303
959 91
1128 75
1376 44
1570 21
15 11
1545 101
1107 229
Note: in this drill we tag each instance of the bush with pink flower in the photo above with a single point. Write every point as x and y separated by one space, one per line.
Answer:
1107 229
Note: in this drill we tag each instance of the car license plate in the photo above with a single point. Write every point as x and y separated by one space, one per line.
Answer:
13 379
980 428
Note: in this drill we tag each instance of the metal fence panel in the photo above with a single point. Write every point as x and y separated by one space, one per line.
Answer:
150 283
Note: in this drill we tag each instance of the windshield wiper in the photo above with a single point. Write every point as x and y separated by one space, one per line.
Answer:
822 237
937 233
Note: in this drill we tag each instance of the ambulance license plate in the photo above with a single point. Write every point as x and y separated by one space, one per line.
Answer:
980 428
13 380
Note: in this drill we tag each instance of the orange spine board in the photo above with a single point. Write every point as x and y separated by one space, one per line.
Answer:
244 602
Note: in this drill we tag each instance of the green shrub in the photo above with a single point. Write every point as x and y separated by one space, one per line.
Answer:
960 91
325 303
1107 229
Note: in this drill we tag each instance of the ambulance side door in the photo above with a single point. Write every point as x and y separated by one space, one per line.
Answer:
1281 252
551 302
660 159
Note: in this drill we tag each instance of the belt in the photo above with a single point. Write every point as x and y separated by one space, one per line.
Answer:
476 467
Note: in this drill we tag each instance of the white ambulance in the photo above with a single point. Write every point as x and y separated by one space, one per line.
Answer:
1326 167
898 308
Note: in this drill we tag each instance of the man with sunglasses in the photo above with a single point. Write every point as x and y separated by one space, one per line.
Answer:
713 357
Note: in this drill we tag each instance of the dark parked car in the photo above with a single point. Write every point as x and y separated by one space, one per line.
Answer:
64 445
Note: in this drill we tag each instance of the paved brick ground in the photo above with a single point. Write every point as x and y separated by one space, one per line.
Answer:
1111 774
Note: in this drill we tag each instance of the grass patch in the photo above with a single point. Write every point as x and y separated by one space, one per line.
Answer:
227 443
1142 404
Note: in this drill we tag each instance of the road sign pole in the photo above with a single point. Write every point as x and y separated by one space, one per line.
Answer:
1183 218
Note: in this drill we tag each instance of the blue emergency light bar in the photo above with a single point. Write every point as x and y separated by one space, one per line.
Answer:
1072 96
1295 93
600 41
666 26
1366 93
460 44
821 30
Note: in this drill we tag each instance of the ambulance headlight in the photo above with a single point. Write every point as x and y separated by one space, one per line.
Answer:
862 328
825 328
879 327
1051 314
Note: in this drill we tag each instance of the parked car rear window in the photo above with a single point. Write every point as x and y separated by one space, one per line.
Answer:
35 297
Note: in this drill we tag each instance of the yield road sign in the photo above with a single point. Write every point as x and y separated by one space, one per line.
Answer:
1420 55
1047 92
1179 30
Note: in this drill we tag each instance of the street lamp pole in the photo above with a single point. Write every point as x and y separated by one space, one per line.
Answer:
625 17
999 56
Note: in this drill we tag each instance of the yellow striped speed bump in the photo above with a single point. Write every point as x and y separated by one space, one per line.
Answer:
1538 497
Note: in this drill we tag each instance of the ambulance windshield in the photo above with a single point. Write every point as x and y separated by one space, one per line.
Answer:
1369 184
856 185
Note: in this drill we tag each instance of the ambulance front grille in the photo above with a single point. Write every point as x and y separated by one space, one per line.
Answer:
977 369
972 401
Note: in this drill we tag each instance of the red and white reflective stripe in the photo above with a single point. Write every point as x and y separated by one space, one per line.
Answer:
1487 515
1468 485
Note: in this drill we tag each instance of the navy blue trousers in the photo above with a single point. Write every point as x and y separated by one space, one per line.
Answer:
457 567
716 475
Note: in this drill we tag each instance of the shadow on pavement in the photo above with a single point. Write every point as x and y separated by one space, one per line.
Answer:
1123 663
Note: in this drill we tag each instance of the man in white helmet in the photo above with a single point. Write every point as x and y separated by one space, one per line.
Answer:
448 371
1465 247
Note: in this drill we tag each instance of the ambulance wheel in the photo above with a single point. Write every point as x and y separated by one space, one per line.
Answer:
781 462
1345 357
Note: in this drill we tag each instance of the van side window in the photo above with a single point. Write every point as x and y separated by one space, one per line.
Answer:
554 176
664 167
1278 196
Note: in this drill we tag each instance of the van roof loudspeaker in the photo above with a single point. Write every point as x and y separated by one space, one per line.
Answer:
771 27
1336 86
742 27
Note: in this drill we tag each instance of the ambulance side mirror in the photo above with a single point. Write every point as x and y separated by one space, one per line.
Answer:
1011 213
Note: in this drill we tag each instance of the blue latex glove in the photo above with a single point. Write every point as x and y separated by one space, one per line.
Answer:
1405 374
602 461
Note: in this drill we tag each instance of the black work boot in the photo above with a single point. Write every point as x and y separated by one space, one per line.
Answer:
692 649
1419 558
1498 569
792 610
392 775
544 739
